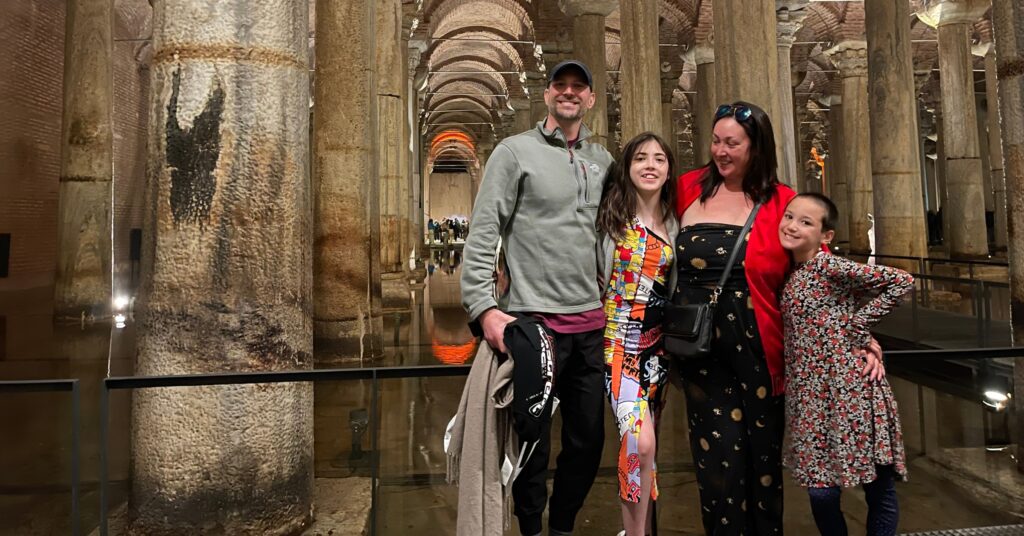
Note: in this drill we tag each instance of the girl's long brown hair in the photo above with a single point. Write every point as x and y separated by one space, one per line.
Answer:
618 201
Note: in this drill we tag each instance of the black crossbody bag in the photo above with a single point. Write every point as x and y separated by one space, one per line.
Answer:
687 328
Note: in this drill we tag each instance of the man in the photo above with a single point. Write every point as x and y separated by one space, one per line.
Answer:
539 195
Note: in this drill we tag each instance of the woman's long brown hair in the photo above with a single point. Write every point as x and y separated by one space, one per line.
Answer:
618 201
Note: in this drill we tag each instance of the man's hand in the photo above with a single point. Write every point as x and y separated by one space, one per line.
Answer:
872 355
494 321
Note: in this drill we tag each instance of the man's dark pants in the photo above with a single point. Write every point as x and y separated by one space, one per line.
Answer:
579 385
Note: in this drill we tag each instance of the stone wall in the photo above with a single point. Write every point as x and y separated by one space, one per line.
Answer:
31 76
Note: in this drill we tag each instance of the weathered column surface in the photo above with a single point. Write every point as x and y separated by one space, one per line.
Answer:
964 180
705 102
536 83
83 225
995 146
347 292
850 57
389 130
523 120
895 142
405 199
227 273
837 168
746 56
412 97
668 126
640 73
788 23
588 46
1008 23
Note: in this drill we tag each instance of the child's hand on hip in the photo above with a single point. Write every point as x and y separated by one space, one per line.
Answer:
872 356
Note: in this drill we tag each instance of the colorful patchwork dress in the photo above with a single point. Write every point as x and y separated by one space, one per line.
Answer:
841 423
636 367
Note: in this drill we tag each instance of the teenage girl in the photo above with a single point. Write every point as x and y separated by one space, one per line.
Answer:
843 425
638 226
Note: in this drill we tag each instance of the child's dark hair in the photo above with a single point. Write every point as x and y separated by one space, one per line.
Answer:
831 217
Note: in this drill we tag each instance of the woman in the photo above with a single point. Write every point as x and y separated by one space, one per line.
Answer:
734 398
637 223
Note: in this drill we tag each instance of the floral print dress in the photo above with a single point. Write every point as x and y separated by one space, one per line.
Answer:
841 424
636 368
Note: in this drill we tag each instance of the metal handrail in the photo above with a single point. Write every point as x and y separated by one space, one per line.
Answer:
49 386
374 375
242 378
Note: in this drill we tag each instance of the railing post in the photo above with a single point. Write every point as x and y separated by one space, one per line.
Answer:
913 314
375 464
104 440
76 444
980 287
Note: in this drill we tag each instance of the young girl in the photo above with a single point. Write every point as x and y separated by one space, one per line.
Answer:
844 428
638 227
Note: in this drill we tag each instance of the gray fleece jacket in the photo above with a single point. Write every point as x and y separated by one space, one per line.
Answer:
540 199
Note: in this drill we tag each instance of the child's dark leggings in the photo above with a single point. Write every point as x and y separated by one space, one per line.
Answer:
883 508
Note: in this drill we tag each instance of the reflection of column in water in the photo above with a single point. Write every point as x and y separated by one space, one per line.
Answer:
86 351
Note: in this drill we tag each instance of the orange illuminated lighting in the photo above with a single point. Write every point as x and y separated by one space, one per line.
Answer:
453 354
453 136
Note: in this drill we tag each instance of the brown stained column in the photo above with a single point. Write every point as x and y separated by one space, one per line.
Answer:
390 117
536 83
588 25
1008 23
895 140
837 168
347 292
227 273
850 57
417 220
668 124
746 56
788 23
405 154
641 93
705 102
964 180
83 228
995 147
522 121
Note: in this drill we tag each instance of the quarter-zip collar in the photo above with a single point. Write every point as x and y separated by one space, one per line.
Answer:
556 136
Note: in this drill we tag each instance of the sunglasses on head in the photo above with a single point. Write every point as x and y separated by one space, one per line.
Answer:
740 112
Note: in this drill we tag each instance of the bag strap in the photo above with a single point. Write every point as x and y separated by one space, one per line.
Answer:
735 253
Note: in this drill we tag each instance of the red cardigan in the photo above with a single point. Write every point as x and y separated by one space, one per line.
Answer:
766 265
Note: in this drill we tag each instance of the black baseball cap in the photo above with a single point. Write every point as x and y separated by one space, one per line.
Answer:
571 64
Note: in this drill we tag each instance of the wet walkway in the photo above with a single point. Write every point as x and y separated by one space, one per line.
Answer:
424 325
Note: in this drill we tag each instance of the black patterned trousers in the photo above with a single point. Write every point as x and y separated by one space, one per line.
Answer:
736 426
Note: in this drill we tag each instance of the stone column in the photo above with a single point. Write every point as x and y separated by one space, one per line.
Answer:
705 102
405 148
850 57
347 292
668 127
640 73
941 171
895 142
83 226
746 56
389 130
417 221
788 23
536 83
523 120
227 273
588 25
837 168
995 146
964 181
1008 23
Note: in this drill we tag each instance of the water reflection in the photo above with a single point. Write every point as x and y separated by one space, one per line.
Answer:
428 328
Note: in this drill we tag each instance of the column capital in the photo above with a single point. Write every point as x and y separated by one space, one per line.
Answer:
937 13
519 104
789 18
850 57
703 54
576 8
